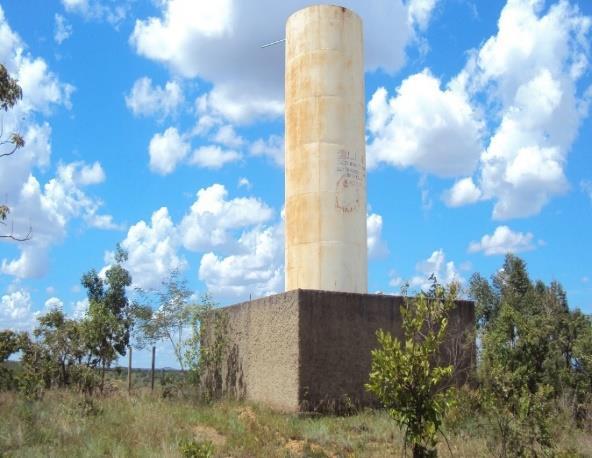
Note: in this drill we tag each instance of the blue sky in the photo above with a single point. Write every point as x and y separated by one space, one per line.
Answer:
159 124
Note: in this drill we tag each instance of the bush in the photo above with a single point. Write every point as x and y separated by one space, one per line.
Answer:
195 449
405 376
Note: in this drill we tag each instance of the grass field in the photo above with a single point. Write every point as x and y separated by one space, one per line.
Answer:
148 425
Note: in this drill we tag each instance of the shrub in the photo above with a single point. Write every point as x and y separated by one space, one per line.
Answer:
405 376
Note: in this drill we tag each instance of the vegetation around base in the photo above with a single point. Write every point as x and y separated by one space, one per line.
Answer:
63 423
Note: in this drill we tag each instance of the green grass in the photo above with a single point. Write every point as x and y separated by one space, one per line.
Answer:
147 425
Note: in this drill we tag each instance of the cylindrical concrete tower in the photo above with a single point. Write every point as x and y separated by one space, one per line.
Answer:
325 151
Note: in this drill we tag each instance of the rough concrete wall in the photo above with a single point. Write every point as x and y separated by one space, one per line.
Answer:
310 350
337 334
325 151
262 361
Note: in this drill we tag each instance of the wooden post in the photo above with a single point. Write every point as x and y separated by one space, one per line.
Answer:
152 371
129 370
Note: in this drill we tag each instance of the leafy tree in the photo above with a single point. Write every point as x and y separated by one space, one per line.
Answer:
106 328
405 375
534 351
171 314
62 340
10 94
10 343
207 346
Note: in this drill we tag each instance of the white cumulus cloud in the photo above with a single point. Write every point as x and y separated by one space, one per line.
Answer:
212 218
166 150
530 69
213 157
213 222
377 247
524 83
272 148
220 42
502 241
152 250
255 267
49 208
15 310
420 11
423 126
145 99
462 192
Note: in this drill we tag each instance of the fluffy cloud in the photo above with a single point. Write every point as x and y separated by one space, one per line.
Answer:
169 149
212 217
227 136
420 11
145 99
86 174
377 247
213 157
63 29
254 269
48 208
444 271
523 83
189 38
15 310
423 126
502 241
54 303
272 148
530 70
213 222
47 211
152 250
166 150
463 192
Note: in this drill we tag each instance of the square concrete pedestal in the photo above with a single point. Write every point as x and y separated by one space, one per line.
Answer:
310 350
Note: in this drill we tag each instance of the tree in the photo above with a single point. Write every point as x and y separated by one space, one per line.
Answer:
10 94
106 328
534 351
63 341
10 343
172 314
405 375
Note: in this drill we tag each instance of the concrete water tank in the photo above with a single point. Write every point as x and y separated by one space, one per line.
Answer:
325 207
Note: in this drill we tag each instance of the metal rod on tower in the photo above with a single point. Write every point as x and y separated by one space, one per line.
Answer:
273 43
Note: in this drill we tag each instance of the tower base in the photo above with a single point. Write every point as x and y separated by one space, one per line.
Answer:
308 350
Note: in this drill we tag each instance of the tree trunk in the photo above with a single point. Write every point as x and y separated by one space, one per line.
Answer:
152 370
419 451
102 377
129 371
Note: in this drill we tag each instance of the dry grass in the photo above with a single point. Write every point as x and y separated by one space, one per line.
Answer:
146 425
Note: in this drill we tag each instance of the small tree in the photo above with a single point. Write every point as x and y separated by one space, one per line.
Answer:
62 340
207 346
106 327
405 375
534 351
171 315
10 343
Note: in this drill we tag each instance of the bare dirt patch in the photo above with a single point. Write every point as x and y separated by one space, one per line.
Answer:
207 433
